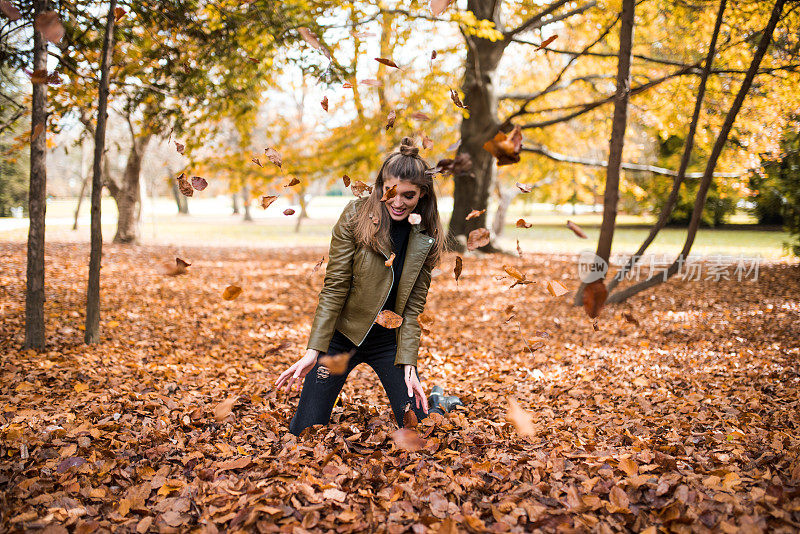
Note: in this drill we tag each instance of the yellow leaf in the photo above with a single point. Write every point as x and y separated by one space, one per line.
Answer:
80 386
113 324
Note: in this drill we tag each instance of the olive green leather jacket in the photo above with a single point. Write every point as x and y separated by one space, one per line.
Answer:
357 284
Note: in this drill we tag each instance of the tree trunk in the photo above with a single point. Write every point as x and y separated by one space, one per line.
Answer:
248 217
92 331
180 200
235 200
301 199
127 195
708 173
84 182
504 201
684 165
37 199
472 188
617 142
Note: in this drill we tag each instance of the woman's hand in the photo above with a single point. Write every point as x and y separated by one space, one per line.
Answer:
414 387
298 370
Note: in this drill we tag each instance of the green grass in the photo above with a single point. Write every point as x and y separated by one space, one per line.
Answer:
211 223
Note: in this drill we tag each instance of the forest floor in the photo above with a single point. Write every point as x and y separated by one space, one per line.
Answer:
678 413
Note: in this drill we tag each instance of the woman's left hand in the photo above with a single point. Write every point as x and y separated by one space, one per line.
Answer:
414 387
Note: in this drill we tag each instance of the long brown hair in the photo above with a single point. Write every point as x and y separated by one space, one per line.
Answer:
407 165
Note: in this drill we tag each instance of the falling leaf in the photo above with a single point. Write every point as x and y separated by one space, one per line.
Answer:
118 13
37 131
477 238
419 116
324 103
387 62
370 82
410 418
461 164
389 319
389 262
184 185
439 6
415 218
267 200
525 188
179 147
556 288
520 418
576 229
358 188
454 146
390 119
311 38
504 147
347 85
288 211
293 181
199 183
408 440
427 142
456 100
630 318
594 296
547 42
274 156
389 193
318 265
231 292
49 24
178 269
253 60
519 250
336 363
522 224
257 162
457 268
474 214
346 180
515 273
39 76
363 35
9 10
224 408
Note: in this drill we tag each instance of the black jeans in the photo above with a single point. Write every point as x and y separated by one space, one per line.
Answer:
320 388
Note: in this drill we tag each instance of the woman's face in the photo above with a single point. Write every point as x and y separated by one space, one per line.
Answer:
403 203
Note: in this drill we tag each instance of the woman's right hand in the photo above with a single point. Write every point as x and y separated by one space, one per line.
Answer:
298 369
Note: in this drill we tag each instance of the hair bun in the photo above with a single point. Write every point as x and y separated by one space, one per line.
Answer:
407 147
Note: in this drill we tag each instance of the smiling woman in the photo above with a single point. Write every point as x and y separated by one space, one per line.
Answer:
375 288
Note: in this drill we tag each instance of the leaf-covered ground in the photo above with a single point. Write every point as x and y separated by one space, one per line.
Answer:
686 422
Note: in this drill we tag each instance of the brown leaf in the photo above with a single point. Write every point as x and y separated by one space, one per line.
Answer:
461 164
119 13
311 38
576 229
389 193
199 183
513 272
546 42
49 24
504 147
358 188
556 288
274 156
408 440
363 35
177 269
439 6
337 363
39 76
630 318
231 292
387 62
520 418
525 188
370 82
389 262
473 214
390 119
389 319
267 200
419 116
37 131
293 181
224 408
456 100
347 85
477 238
427 142
8 9
324 103
594 296
346 180
522 224
184 185
257 162
318 265
288 211
519 250
410 418
457 268
180 147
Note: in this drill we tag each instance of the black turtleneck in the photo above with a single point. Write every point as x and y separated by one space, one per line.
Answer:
399 231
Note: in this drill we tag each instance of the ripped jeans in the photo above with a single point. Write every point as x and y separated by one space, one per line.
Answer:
320 387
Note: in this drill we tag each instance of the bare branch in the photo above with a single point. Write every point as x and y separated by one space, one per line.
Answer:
539 149
535 21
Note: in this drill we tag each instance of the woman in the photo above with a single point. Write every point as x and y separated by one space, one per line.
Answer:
359 285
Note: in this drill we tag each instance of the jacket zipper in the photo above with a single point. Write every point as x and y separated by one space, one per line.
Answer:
382 304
